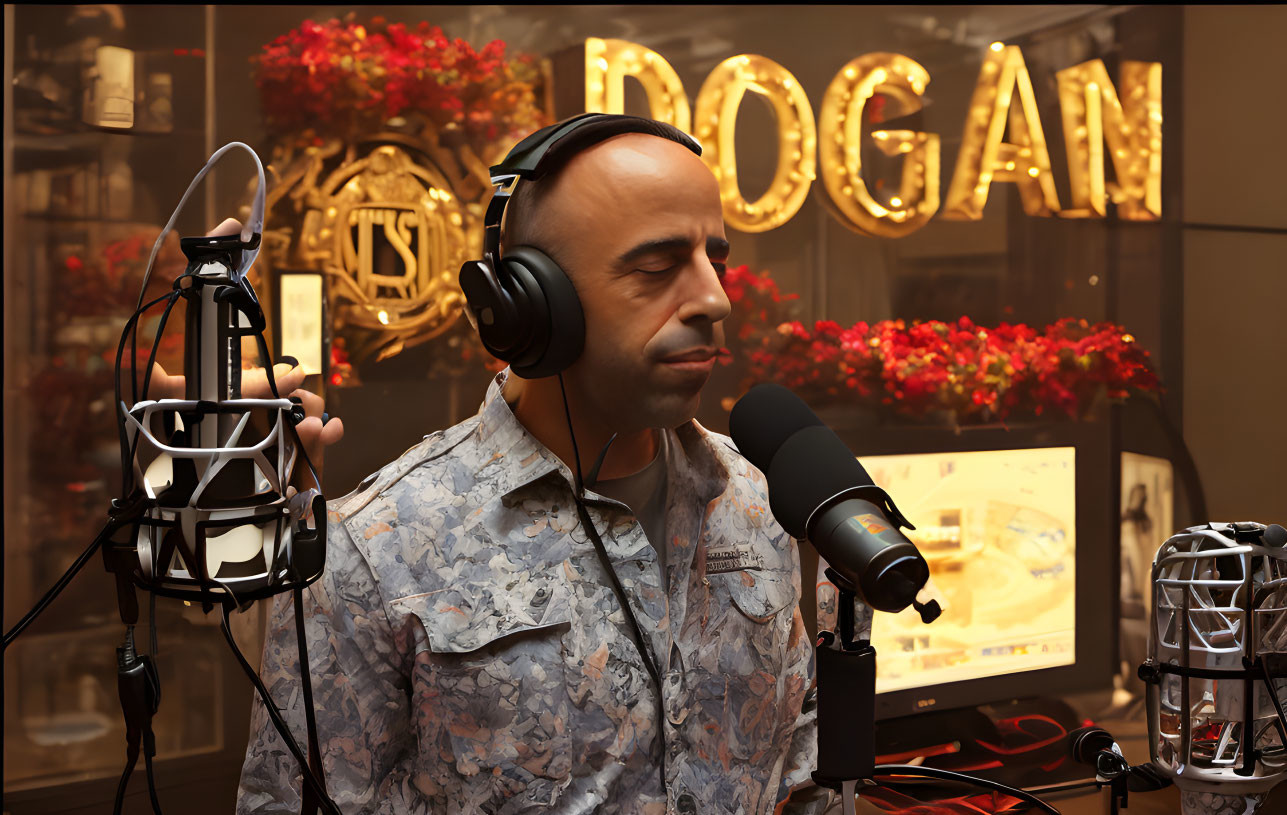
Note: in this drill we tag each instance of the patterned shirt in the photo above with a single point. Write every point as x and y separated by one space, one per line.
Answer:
468 654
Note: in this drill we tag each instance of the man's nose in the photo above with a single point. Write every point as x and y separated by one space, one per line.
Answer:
705 297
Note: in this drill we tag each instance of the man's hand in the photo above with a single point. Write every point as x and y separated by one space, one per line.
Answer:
314 436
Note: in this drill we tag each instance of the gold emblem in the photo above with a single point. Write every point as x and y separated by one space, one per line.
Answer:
391 236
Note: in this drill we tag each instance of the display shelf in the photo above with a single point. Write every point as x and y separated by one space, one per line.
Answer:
70 721
78 189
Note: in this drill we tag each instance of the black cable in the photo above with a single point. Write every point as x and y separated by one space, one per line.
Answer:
57 588
602 553
579 495
126 460
151 624
309 802
151 779
275 715
131 758
149 738
948 775
156 344
1281 721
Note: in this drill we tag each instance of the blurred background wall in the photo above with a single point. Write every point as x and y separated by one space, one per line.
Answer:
1204 290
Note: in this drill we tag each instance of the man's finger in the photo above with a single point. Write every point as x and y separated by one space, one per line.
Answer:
316 437
332 432
308 432
161 385
313 404
254 382
230 226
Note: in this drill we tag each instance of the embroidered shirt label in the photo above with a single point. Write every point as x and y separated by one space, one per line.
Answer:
732 560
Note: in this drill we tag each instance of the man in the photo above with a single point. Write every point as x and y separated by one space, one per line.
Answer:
468 652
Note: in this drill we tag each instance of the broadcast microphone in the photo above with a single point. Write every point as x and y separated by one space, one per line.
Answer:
818 490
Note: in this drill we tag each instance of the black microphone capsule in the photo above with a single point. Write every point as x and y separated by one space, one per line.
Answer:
818 490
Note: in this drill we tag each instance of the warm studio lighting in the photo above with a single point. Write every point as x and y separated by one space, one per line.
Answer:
556 401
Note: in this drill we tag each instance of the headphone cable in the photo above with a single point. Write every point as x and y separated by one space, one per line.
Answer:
622 600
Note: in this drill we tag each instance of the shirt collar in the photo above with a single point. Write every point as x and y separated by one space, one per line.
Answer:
705 456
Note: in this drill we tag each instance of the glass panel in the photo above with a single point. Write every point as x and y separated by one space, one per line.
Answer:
107 118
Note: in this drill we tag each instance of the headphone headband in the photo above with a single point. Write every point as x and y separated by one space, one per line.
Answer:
523 158
547 149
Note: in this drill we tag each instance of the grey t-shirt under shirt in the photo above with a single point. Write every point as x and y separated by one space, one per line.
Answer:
645 493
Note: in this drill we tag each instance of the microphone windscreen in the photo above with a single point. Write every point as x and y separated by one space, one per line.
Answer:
764 418
810 467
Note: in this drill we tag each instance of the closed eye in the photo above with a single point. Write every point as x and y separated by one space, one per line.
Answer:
666 270
720 268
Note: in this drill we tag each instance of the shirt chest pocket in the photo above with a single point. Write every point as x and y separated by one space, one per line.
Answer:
740 687
490 687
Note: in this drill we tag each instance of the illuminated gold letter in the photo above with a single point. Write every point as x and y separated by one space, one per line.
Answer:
1132 128
839 146
984 158
609 62
717 104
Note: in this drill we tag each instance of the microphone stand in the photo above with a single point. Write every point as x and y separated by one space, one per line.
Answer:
847 719
847 714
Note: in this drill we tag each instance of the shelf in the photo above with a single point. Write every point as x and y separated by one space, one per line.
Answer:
41 217
88 138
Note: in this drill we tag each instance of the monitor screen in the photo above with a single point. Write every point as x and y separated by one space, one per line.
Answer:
998 529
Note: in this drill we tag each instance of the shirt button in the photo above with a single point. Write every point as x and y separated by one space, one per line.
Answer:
686 804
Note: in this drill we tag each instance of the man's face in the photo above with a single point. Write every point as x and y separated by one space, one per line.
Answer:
641 235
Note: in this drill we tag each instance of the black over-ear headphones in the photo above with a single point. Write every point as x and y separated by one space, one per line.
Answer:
524 306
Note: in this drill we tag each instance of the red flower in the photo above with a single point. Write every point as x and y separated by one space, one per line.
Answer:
342 78
975 373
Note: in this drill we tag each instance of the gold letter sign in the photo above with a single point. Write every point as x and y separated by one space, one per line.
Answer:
839 146
984 158
1091 112
609 62
1132 127
717 104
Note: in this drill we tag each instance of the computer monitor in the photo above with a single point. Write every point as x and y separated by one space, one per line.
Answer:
1019 549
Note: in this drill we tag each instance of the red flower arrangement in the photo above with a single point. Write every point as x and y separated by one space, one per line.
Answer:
973 373
342 374
342 78
110 283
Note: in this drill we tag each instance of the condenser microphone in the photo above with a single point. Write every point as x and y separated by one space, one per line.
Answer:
215 466
819 491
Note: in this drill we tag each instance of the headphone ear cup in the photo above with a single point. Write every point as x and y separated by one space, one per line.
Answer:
497 312
556 318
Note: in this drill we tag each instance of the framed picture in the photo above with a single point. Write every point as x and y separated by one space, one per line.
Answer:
301 319
1147 520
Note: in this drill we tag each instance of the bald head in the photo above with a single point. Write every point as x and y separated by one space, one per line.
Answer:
548 212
